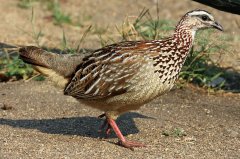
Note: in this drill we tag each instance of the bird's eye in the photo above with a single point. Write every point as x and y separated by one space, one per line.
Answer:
204 18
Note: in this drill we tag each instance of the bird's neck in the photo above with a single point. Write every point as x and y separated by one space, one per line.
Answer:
184 33
170 61
184 36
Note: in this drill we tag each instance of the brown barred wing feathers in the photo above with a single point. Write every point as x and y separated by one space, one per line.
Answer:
105 73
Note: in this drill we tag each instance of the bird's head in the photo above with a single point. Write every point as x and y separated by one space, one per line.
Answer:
198 19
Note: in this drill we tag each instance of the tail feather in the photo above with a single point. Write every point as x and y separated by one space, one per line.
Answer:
59 68
35 56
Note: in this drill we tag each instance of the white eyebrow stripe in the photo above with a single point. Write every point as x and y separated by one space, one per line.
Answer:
201 13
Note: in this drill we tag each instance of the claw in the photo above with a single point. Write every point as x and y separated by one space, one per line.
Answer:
131 144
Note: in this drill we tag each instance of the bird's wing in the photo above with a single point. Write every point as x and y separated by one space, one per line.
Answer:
106 72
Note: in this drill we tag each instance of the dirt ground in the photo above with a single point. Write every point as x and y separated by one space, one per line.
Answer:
43 123
38 121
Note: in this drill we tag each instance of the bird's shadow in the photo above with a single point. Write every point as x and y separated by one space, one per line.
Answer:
83 126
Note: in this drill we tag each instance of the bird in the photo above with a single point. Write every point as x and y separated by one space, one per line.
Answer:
123 76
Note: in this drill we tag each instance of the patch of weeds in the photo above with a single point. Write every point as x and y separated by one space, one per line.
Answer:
12 68
176 132
149 28
199 68
15 69
144 27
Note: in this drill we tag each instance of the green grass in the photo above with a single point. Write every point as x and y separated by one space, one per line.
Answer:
176 132
13 68
199 68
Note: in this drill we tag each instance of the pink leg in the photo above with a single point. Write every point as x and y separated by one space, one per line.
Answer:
122 141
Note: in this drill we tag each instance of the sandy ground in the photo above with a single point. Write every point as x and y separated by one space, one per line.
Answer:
42 123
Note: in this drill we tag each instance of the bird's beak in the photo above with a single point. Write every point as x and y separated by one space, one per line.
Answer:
217 26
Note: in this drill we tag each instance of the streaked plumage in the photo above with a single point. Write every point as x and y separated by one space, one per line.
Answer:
123 76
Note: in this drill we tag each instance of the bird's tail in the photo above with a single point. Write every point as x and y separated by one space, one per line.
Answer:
35 56
59 67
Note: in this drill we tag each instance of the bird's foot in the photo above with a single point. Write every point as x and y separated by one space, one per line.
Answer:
131 144
111 124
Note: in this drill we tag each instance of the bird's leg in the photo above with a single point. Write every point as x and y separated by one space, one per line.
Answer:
105 123
122 141
110 123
